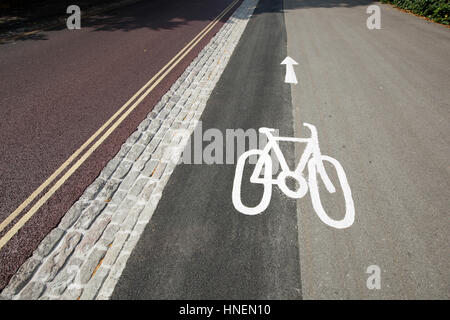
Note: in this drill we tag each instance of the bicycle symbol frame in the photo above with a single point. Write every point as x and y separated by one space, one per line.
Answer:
312 158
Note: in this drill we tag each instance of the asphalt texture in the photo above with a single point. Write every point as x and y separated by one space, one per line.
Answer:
59 86
380 102
197 246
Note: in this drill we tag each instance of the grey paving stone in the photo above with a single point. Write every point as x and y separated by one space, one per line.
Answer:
147 191
32 291
159 170
149 168
116 200
108 235
109 169
131 218
92 288
154 126
72 215
135 152
141 162
152 115
138 186
122 211
124 150
129 180
151 147
107 289
123 168
143 125
88 216
49 242
61 282
114 250
162 115
159 105
93 189
132 139
93 234
88 267
108 190
20 279
146 138
72 292
57 259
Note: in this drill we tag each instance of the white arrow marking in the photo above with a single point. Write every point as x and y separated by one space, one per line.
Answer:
290 74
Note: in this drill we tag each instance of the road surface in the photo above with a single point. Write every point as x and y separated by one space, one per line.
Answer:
378 98
380 102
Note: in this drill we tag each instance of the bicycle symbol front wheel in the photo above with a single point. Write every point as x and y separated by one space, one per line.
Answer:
237 183
349 217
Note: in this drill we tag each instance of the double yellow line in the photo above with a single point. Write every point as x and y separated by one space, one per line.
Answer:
126 109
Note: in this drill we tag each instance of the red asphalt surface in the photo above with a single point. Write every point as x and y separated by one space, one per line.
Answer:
59 87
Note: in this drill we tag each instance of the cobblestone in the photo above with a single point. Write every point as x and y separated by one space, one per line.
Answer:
128 182
93 234
93 189
135 152
90 264
19 280
72 215
110 187
110 167
32 291
123 169
88 215
49 242
138 186
147 191
57 259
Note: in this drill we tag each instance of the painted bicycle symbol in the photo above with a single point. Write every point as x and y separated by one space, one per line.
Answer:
312 158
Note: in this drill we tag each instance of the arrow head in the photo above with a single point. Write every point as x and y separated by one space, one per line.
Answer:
288 60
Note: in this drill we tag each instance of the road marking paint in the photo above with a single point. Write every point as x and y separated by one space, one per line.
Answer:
58 184
311 158
290 73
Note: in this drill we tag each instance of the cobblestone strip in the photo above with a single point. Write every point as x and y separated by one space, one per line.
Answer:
85 255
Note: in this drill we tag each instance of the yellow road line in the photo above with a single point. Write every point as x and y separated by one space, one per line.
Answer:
58 184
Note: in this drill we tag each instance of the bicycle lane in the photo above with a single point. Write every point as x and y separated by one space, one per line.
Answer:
197 246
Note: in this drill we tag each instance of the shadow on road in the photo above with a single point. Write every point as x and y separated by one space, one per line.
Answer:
162 14
145 14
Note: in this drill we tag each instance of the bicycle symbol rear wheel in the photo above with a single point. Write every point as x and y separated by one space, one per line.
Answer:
237 183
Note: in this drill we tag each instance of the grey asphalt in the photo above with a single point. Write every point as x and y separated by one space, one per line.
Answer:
197 246
380 100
